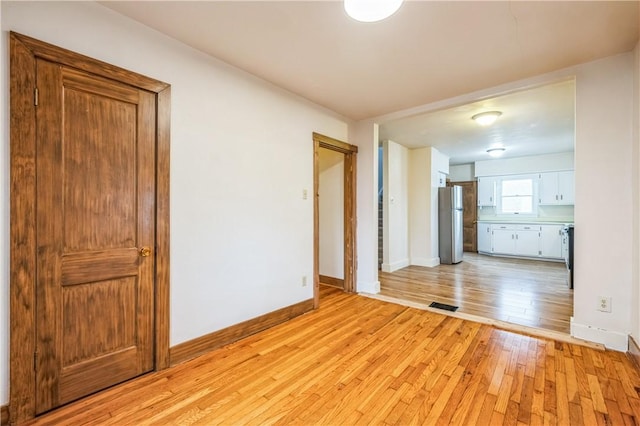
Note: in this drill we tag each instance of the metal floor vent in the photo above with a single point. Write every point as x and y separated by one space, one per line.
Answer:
443 306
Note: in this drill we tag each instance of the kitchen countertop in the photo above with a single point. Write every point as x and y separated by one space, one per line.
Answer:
526 222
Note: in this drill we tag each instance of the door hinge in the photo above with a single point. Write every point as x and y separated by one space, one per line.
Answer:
35 97
35 361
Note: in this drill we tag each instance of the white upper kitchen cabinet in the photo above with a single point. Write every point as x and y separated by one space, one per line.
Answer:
551 241
486 191
566 187
442 180
556 188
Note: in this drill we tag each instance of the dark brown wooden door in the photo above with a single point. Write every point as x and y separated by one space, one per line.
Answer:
469 215
95 195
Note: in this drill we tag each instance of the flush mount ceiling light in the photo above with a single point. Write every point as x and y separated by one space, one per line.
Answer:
486 118
496 152
371 10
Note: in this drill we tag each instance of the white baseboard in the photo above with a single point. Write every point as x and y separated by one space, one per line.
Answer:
610 339
428 262
370 287
394 266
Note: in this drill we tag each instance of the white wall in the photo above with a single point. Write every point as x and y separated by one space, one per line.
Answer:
439 164
425 164
419 207
396 207
364 134
522 165
603 160
331 215
462 172
241 154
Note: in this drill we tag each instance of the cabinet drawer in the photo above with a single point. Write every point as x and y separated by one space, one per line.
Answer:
527 227
503 226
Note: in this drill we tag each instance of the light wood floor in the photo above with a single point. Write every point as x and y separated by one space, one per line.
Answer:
358 360
525 292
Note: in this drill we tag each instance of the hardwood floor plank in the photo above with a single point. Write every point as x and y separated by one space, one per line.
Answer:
596 394
562 400
358 360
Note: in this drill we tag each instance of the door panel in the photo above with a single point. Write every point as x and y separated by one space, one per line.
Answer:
93 221
99 304
469 203
95 210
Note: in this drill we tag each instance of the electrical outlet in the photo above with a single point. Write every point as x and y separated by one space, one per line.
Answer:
304 194
304 281
604 304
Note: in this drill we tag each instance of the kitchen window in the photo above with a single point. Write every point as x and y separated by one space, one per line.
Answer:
516 196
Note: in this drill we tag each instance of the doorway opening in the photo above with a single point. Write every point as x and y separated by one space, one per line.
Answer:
514 263
334 185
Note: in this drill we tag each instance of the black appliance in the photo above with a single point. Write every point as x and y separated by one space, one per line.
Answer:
569 231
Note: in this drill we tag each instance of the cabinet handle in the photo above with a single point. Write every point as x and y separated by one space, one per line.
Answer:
512 236
556 197
516 236
561 196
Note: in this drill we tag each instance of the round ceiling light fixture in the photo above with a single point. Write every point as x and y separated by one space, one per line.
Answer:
496 152
371 10
486 118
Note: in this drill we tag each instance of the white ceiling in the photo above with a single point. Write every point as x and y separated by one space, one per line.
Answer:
533 121
428 51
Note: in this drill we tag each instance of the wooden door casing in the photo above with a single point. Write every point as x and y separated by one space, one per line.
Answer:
28 252
469 215
350 251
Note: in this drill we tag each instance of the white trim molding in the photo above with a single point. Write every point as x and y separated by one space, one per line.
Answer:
430 263
610 339
391 267
368 287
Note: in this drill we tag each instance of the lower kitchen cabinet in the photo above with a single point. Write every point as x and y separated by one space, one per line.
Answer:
503 240
484 237
522 240
527 242
517 240
551 241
